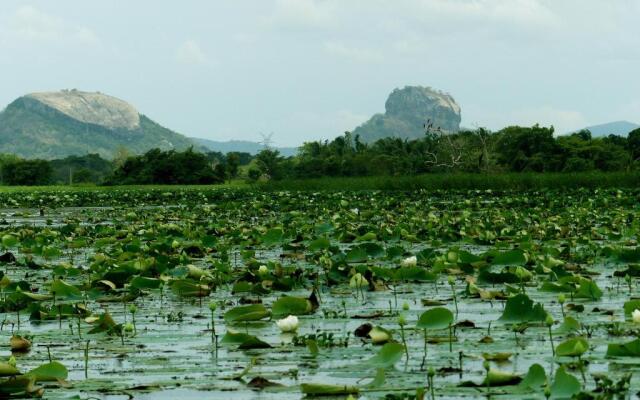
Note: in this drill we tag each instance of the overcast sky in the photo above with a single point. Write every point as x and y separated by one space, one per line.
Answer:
311 69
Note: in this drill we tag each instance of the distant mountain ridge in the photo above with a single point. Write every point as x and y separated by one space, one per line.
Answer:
620 128
71 122
241 146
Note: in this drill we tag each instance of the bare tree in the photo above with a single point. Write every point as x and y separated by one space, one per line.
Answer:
448 150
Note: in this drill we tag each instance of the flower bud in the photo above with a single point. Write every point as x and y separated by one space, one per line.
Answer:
562 298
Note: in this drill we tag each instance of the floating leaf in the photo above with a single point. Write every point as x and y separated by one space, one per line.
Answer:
141 282
252 312
510 258
50 372
498 357
630 349
501 378
564 385
273 237
187 288
243 340
356 255
319 244
388 355
535 378
317 389
60 288
435 318
569 325
520 308
630 306
588 290
573 347
289 305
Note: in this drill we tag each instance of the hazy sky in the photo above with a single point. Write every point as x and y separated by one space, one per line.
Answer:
310 69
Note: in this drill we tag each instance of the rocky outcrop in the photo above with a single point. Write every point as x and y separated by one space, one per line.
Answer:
71 122
92 108
407 111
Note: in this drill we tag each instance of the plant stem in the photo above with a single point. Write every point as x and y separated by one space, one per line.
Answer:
424 357
86 360
455 299
581 366
553 349
404 342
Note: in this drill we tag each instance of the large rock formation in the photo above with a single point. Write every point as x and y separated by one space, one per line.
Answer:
71 122
408 110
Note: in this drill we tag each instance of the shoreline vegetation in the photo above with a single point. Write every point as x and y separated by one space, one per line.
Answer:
465 181
514 157
434 181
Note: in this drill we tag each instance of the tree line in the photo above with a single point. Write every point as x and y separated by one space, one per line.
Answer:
512 149
153 167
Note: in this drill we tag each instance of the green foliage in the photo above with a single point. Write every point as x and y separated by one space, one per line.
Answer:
512 149
520 308
388 355
252 312
90 168
30 130
564 385
26 172
573 347
435 318
630 349
166 167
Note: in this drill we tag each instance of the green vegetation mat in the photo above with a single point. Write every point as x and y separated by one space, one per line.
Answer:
208 292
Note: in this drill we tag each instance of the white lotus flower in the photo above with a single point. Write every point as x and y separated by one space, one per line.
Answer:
635 316
410 261
262 270
289 324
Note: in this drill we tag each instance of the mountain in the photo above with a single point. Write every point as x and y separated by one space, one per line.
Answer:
241 146
71 122
407 110
620 128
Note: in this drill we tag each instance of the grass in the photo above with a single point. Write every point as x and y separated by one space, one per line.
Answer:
506 181
233 184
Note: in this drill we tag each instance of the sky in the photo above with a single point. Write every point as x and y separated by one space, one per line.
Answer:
312 69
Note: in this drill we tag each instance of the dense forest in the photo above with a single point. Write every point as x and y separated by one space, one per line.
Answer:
512 149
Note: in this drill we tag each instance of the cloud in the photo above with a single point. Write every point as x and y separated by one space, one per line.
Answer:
31 24
302 14
191 53
353 53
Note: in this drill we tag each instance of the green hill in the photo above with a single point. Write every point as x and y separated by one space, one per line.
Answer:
59 124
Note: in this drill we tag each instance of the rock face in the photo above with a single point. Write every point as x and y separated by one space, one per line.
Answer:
92 108
70 122
407 110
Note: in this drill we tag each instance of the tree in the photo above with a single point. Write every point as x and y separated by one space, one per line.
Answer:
121 155
233 162
26 172
269 164
633 142
167 167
